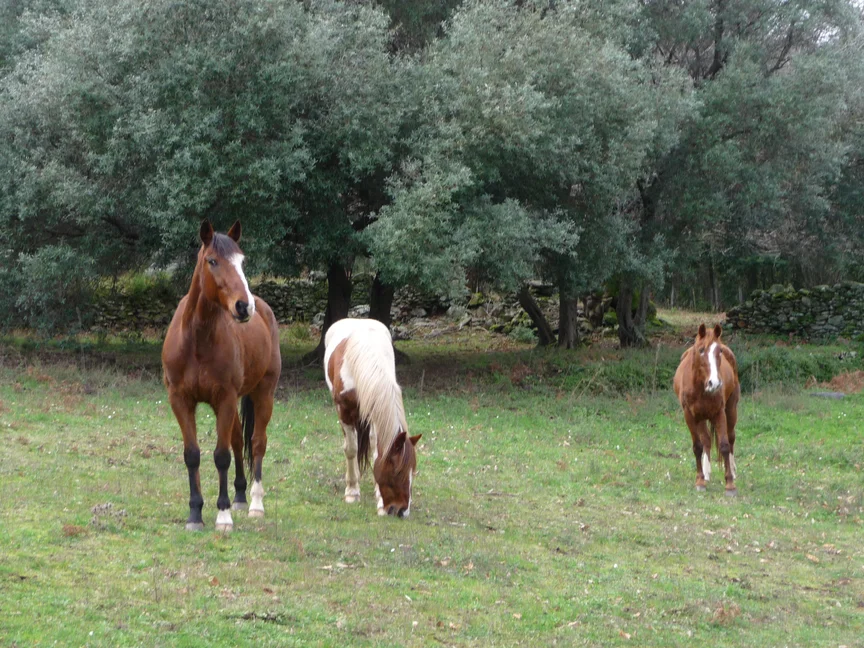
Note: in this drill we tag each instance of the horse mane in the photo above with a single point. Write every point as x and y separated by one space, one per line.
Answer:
370 356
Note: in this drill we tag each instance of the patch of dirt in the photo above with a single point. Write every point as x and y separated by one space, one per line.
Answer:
73 530
850 382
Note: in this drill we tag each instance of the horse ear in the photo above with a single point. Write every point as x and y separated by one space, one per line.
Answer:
234 232
718 331
702 331
415 439
206 232
398 443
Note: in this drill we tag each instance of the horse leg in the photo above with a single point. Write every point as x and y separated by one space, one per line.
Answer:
698 434
239 503
352 469
725 450
373 444
262 401
226 414
184 411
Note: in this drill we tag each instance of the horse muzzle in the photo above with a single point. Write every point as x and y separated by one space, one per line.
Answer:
241 312
712 387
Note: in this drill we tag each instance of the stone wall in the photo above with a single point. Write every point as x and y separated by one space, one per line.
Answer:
292 300
820 312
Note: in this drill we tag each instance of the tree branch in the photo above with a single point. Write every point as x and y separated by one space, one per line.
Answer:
783 59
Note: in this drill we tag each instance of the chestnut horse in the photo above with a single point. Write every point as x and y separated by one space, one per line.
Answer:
360 371
707 387
223 344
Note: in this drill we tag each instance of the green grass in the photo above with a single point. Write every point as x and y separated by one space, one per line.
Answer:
554 505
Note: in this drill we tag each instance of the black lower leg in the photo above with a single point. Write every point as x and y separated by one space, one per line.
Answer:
256 471
192 457
239 483
222 459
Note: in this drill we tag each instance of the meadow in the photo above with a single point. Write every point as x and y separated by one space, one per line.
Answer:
554 505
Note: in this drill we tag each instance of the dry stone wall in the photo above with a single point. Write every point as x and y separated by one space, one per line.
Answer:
820 312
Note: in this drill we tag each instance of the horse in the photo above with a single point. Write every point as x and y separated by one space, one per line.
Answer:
360 371
707 386
223 344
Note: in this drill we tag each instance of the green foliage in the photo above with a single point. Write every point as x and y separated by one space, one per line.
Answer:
774 364
523 334
529 127
501 140
55 283
752 176
129 123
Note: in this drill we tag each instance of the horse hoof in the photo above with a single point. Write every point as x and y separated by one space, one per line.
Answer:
700 488
732 493
239 506
382 512
225 528
351 499
194 526
256 513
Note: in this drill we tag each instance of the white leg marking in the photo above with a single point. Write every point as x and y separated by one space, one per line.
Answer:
256 509
706 466
379 501
410 488
224 521
732 466
352 468
237 262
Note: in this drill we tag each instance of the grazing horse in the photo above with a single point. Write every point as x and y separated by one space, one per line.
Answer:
223 344
707 387
361 373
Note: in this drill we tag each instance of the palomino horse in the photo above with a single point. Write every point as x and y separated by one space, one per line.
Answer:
361 373
222 344
707 387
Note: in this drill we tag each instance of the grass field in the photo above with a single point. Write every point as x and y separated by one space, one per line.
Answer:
554 505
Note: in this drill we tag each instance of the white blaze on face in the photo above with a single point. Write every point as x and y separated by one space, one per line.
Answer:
714 377
237 262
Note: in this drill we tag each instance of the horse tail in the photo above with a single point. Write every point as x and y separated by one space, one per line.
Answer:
379 397
247 422
362 428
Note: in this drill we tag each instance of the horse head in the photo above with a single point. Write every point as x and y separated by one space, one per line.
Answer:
394 474
707 358
220 266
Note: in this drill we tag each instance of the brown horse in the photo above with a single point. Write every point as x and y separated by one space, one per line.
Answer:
360 371
707 387
223 344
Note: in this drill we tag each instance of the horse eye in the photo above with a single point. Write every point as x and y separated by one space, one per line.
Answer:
212 262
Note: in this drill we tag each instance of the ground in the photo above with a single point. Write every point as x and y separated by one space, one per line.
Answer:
554 505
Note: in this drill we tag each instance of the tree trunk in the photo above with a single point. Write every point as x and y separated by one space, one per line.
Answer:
544 331
339 288
631 332
380 301
568 323
715 288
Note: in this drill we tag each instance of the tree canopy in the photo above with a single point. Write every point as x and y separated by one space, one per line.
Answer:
647 145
